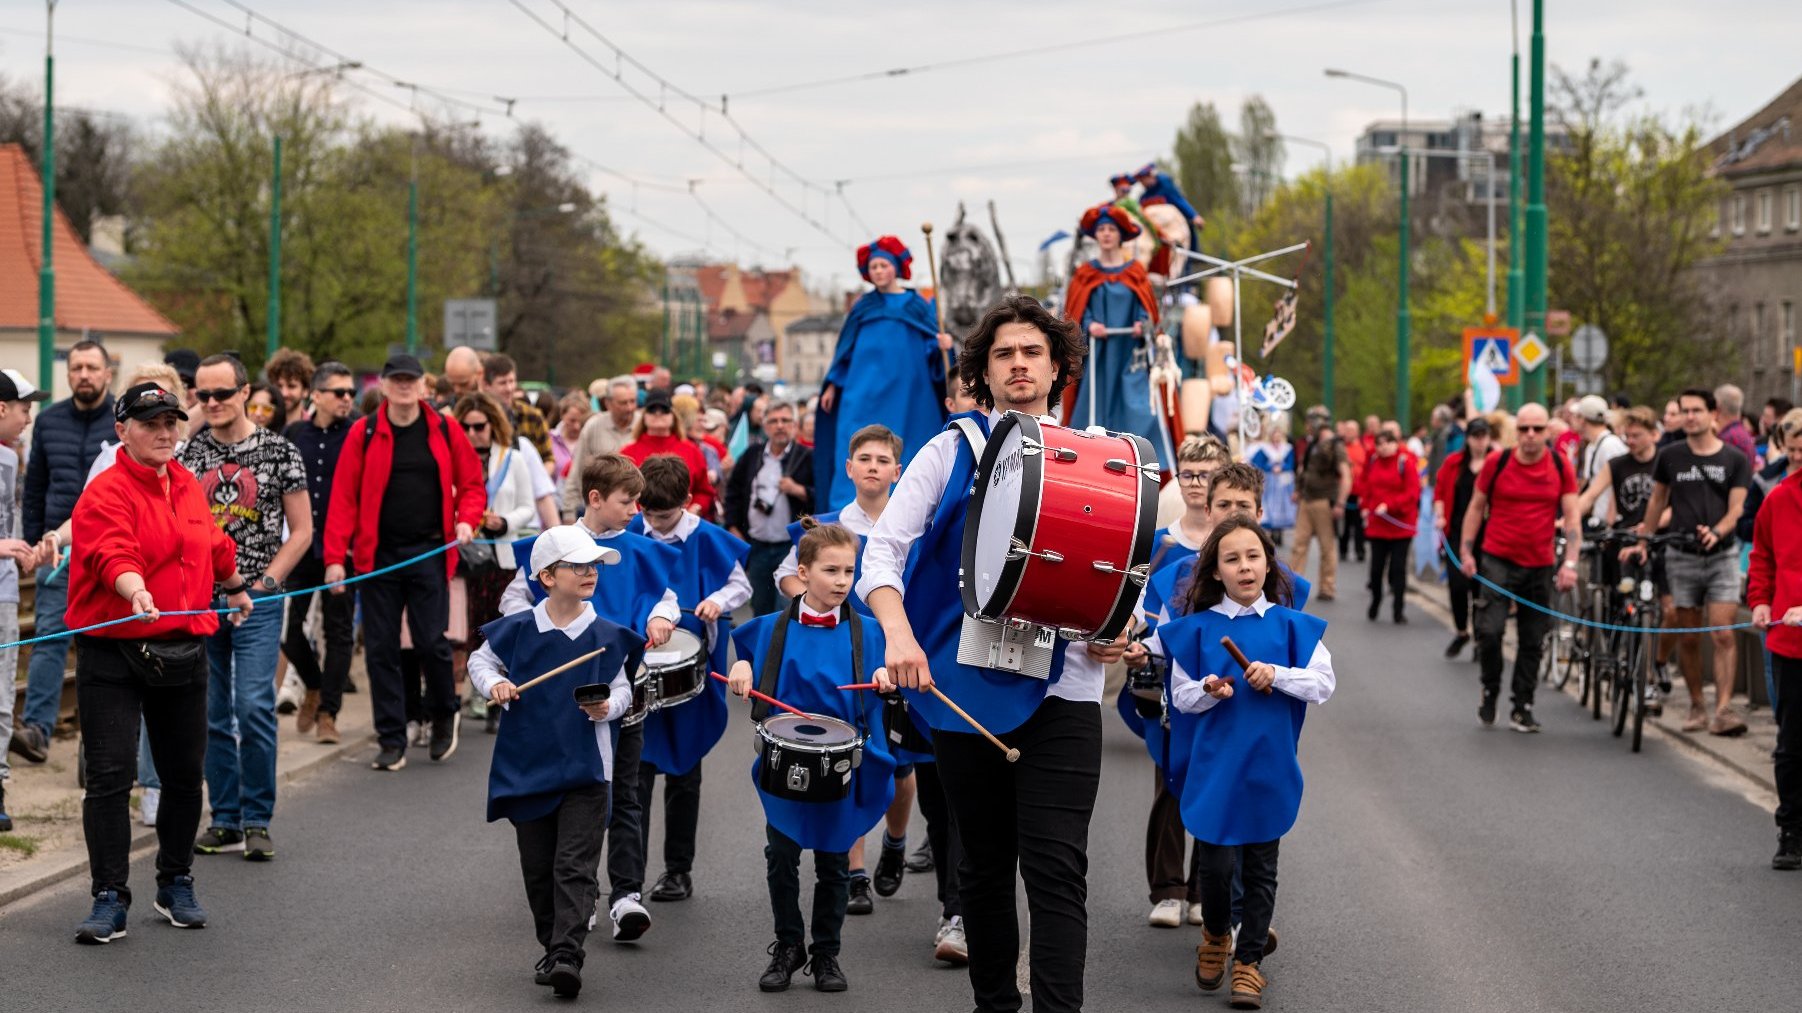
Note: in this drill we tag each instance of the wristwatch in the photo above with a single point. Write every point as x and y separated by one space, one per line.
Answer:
268 583
1568 565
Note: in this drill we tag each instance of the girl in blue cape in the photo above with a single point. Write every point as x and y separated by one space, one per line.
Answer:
888 367
808 651
1242 790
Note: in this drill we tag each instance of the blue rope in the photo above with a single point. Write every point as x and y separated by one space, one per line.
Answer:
1446 545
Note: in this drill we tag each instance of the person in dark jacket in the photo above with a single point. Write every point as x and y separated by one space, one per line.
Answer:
320 438
766 492
64 442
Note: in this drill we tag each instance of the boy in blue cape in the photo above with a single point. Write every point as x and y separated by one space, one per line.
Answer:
709 580
1243 786
801 656
553 751
637 595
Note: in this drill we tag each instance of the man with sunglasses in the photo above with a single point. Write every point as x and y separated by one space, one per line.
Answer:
320 439
1516 507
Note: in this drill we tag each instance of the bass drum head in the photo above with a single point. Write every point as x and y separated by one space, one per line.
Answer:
815 731
681 648
1003 509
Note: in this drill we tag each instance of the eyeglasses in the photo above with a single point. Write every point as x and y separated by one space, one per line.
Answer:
220 394
579 569
1529 429
475 427
338 391
260 409
1193 477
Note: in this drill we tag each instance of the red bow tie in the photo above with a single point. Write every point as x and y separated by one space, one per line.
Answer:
826 621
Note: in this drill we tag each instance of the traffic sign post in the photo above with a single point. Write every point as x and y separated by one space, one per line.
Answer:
1494 349
1589 348
1531 352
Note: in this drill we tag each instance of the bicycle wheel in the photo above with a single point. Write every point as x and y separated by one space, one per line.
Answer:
1553 659
1621 679
1646 656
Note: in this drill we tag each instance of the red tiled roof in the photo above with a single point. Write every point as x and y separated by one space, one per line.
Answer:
760 287
729 326
1771 138
87 295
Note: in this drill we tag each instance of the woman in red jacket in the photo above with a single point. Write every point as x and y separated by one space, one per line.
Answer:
1451 498
658 431
145 544
1774 589
1390 495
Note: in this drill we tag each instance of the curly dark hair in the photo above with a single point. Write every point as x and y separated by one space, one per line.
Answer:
1067 348
1205 587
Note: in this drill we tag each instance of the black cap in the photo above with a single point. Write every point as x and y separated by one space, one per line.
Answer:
185 361
14 387
402 365
146 401
1478 426
658 400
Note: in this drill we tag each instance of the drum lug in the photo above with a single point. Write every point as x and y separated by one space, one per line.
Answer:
1017 550
1072 633
1137 574
1120 467
1030 447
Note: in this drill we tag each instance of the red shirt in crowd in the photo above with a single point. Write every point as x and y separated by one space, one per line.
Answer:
1774 577
1524 506
1392 483
354 518
699 486
129 520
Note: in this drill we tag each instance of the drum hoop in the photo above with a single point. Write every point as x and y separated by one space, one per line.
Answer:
1026 525
819 748
1127 596
700 656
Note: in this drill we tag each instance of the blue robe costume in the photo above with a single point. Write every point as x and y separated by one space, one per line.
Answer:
1163 190
1120 372
545 745
1243 780
626 591
815 662
1002 701
795 531
676 738
888 369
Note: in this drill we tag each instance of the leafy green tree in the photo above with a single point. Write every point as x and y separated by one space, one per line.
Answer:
1260 152
1203 155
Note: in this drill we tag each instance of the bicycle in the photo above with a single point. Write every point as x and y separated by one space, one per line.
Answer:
1636 614
1559 657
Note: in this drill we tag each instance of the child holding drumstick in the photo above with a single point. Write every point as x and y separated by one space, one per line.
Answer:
1243 787
553 755
801 656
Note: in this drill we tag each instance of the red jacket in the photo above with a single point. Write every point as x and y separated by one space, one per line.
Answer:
1445 485
355 516
125 522
1774 577
699 485
1394 484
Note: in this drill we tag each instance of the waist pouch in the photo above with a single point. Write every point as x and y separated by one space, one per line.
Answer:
165 662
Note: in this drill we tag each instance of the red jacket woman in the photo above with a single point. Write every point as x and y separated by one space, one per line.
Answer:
1774 577
1392 484
659 431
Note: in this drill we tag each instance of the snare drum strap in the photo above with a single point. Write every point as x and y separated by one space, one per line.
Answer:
972 433
772 661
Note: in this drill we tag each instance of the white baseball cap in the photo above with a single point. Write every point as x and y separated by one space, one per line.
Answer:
567 543
1593 408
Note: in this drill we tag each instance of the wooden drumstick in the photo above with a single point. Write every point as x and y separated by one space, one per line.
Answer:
938 301
772 701
1013 755
1238 656
559 670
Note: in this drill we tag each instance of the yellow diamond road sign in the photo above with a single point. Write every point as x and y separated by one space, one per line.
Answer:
1531 352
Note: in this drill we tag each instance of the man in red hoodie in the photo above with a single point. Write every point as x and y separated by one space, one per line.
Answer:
407 482
1774 588
1391 503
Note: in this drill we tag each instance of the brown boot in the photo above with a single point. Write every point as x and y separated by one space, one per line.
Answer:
328 728
1248 987
309 712
1210 959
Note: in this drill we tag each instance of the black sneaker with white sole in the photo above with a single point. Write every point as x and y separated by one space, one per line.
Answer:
389 759
1521 719
219 841
1486 708
444 738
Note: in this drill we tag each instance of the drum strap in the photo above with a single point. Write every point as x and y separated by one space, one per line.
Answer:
772 661
973 434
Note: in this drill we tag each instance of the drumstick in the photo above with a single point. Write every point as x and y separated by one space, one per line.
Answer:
772 701
559 670
861 685
1238 655
1013 755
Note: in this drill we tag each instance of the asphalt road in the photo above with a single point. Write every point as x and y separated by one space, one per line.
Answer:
1437 866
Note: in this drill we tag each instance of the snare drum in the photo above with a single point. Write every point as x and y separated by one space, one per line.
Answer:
641 699
676 672
1059 528
808 759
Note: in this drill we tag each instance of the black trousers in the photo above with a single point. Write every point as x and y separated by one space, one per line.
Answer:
1029 818
1390 556
339 621
941 834
1788 754
559 855
1459 587
681 813
760 570
831 890
1166 846
1256 864
1531 583
423 592
625 828
112 699
1351 529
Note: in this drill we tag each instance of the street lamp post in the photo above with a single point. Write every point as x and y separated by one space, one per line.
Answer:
1326 299
47 269
1403 323
1534 318
274 313
1517 295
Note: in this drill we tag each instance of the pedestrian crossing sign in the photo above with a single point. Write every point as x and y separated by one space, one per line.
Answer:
1492 348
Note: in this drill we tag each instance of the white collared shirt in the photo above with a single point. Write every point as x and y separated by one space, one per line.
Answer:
910 508
485 670
766 487
737 589
1311 684
851 517
518 597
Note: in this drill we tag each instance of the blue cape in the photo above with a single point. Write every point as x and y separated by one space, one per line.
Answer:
887 369
627 590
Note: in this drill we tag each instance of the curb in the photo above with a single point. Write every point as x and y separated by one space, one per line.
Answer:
72 861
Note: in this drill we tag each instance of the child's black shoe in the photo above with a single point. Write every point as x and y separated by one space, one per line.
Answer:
785 960
826 974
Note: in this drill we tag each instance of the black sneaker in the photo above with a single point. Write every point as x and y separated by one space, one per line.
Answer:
444 743
565 979
826 974
257 845
29 743
921 860
6 822
672 886
1456 647
1376 605
1486 709
541 972
785 960
860 901
889 870
105 923
218 841
1521 719
1789 851
389 759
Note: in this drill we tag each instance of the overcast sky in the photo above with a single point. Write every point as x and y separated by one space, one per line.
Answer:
914 145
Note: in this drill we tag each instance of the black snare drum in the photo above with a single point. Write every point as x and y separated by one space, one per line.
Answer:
676 672
641 699
808 759
903 733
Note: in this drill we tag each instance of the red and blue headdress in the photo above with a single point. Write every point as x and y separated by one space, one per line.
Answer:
890 249
1148 169
1110 212
1120 179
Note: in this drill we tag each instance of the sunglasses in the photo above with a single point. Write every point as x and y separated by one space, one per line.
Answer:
260 409
475 427
220 394
1529 429
338 391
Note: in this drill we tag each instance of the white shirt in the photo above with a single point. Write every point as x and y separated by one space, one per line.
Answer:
766 486
485 670
910 508
542 484
737 589
1311 684
851 518
518 597
1596 455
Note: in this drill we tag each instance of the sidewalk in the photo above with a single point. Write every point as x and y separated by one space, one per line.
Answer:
1748 755
46 845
